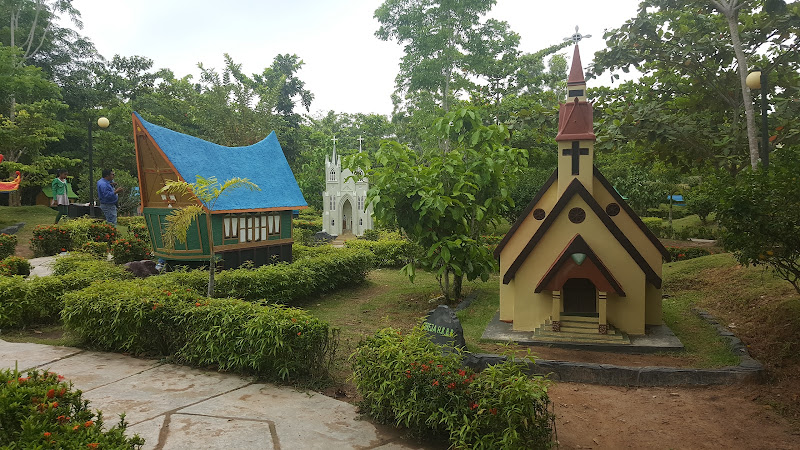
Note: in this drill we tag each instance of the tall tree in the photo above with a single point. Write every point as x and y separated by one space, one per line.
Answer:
446 201
689 107
437 35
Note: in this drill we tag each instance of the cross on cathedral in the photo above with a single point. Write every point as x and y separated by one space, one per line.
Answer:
576 151
360 140
577 37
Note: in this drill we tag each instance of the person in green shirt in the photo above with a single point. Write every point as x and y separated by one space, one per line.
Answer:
60 199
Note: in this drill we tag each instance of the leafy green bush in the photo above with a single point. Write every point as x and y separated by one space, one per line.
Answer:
42 411
96 249
8 245
130 316
407 381
12 301
394 253
312 224
78 229
129 221
371 235
49 240
102 232
655 224
302 236
15 265
127 250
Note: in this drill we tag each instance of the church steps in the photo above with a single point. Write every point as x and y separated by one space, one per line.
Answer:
579 329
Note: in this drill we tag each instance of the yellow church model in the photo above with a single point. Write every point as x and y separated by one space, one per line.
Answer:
579 261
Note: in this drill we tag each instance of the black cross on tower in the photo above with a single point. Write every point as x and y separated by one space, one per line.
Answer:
576 151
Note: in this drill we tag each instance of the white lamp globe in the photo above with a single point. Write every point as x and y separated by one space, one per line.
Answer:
102 122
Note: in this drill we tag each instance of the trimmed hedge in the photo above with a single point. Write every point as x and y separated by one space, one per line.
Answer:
39 300
315 272
15 265
407 381
388 253
41 410
272 341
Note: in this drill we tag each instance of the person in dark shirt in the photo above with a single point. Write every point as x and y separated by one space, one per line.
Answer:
107 192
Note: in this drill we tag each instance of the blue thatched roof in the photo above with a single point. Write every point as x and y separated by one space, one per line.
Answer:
262 163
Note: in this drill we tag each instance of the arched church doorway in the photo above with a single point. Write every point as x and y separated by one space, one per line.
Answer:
347 217
580 296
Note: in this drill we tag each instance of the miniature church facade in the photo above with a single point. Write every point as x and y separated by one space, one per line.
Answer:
344 208
579 250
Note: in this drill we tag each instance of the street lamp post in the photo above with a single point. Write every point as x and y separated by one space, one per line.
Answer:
757 79
102 123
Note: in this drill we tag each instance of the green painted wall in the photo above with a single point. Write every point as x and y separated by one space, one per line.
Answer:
196 246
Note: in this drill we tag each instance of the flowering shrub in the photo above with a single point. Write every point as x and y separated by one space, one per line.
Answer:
407 381
126 250
139 231
8 245
680 254
49 240
101 232
131 316
15 265
41 410
96 249
128 221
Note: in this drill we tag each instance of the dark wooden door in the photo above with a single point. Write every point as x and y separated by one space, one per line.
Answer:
579 296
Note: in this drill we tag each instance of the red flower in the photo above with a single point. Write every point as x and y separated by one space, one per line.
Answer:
55 404
46 434
299 333
51 393
493 411
197 304
451 386
473 405
92 445
88 423
435 382
75 428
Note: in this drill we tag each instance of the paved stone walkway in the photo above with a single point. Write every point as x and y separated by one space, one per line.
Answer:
178 407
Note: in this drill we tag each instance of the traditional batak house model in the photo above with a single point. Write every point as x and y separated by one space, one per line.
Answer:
579 264
245 225
343 202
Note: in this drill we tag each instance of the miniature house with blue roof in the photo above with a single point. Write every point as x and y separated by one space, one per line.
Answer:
245 225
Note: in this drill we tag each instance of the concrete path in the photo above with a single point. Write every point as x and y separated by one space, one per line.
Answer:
178 407
42 267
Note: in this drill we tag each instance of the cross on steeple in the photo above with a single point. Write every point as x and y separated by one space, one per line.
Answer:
360 140
577 37
334 142
576 153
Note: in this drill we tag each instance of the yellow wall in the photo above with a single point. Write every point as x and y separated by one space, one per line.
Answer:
654 299
630 229
585 166
530 309
514 247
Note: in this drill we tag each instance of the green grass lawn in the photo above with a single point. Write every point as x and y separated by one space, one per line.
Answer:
32 216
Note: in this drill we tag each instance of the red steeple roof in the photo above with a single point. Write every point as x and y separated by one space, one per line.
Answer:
575 118
576 72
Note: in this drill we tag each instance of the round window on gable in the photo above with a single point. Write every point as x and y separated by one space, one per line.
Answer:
538 214
612 209
576 215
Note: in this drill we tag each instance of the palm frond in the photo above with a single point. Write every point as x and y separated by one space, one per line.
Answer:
178 223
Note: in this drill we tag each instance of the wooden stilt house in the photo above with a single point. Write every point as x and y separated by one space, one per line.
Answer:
245 225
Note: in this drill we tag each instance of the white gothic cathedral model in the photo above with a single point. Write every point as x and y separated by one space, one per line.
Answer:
344 200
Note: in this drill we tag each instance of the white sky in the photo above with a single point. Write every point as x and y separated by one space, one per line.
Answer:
346 67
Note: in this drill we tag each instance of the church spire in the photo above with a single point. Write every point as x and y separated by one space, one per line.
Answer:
575 129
